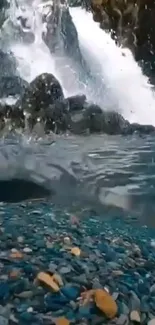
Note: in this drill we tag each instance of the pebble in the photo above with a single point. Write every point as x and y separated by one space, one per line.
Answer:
151 322
67 241
25 294
105 303
20 239
30 310
27 250
65 269
134 316
3 320
122 320
65 263
48 280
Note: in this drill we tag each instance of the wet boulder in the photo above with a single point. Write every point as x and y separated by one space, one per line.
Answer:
141 129
60 33
8 65
76 102
132 23
12 86
93 119
12 114
17 190
42 92
57 117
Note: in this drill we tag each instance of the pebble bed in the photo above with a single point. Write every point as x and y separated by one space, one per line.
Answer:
55 269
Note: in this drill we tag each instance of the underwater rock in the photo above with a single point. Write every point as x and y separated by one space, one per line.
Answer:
16 190
134 316
105 303
48 280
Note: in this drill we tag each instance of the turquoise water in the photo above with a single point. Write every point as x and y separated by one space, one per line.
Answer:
113 176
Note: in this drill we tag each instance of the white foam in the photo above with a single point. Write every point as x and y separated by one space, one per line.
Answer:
128 89
122 85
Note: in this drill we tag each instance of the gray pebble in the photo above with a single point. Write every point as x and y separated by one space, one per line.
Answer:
134 301
25 294
124 308
115 295
65 269
151 322
3 320
52 267
122 320
152 289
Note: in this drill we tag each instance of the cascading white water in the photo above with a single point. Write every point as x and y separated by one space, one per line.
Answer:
125 82
127 90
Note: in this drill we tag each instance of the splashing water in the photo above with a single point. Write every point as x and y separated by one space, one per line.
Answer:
125 82
123 87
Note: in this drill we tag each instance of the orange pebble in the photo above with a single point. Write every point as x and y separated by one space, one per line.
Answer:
76 251
16 255
105 302
48 280
62 321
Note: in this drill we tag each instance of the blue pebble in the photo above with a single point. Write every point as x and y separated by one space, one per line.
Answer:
71 315
84 312
71 292
22 308
55 302
27 317
143 288
4 290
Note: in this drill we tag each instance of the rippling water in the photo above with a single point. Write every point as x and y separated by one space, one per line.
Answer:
112 175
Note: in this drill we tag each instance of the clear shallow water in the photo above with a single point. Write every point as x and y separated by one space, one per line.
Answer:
112 175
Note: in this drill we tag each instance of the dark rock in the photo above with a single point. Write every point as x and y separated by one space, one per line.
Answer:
42 92
57 117
55 302
122 320
136 23
27 317
76 102
12 86
141 129
61 30
4 291
8 64
16 190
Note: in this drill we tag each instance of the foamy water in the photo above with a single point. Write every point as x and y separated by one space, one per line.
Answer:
122 85
125 82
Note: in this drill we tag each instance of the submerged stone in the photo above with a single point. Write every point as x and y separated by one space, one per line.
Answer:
3 320
105 303
4 290
71 292
55 301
